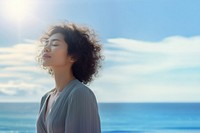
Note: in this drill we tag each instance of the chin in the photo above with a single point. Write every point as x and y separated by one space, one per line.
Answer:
46 65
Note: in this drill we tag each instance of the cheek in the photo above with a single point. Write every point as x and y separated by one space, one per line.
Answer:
60 57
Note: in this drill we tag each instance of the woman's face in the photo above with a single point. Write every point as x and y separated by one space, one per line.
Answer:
55 52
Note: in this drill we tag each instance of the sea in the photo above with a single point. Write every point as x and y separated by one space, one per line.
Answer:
115 117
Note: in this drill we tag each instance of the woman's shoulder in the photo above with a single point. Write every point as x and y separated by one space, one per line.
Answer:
44 98
46 95
80 90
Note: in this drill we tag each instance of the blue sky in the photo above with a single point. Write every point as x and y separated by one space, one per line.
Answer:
151 48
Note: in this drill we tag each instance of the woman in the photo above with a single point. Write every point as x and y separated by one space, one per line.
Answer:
71 54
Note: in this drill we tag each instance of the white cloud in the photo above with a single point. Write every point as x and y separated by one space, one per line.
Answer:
171 53
176 44
20 76
134 71
151 71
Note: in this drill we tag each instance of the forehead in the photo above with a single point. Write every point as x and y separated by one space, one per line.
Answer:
58 36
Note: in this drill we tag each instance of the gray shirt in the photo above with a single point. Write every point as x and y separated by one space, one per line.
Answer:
74 111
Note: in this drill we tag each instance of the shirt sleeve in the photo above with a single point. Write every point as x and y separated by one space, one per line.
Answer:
82 115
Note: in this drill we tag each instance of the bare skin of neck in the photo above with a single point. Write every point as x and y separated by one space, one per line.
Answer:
62 76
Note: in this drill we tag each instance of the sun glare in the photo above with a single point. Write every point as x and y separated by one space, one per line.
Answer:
17 9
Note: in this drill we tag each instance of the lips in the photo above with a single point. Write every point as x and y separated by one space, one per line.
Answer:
46 56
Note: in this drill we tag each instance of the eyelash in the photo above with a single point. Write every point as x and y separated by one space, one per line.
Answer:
52 44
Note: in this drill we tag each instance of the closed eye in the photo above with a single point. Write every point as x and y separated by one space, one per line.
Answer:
55 43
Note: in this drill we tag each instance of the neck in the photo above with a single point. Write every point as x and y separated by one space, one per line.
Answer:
62 77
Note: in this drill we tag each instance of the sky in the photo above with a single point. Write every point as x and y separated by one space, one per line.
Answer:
151 48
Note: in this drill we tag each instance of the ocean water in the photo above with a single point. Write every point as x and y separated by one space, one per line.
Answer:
115 117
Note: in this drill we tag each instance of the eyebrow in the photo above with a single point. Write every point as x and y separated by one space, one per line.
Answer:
55 40
52 40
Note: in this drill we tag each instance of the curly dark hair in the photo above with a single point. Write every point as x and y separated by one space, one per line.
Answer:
83 46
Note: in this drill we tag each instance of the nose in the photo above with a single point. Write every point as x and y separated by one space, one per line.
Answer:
46 48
